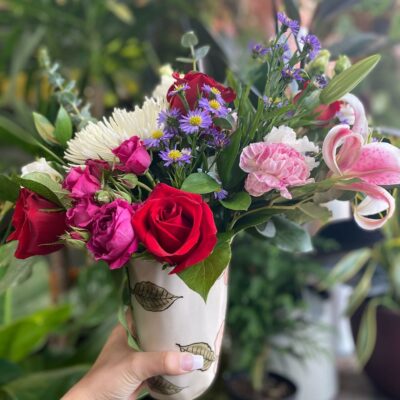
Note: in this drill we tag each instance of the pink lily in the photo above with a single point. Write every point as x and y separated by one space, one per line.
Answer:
374 164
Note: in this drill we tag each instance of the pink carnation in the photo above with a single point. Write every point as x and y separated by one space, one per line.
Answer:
273 166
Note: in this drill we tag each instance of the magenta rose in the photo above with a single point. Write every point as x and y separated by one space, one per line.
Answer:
133 156
81 215
81 182
113 238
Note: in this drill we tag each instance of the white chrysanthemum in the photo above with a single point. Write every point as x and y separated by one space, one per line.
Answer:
97 140
284 134
42 166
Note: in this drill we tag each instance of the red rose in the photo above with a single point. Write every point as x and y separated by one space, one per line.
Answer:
36 229
176 227
195 81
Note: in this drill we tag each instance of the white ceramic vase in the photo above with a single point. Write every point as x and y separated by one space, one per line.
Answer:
169 316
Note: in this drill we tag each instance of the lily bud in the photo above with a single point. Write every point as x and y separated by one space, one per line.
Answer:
320 63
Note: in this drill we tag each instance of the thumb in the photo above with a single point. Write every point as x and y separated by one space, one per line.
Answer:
146 365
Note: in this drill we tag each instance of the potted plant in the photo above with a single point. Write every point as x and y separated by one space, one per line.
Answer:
374 306
266 287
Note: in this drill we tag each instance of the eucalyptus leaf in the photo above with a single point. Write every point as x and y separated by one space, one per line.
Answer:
201 52
44 127
189 39
346 81
238 202
200 183
202 276
63 127
185 60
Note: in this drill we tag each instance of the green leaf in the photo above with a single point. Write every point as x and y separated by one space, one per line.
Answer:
239 202
366 337
202 276
9 190
63 128
12 270
189 39
46 187
361 291
9 371
290 236
256 217
201 52
200 183
346 81
44 127
347 267
292 9
224 123
52 384
121 11
19 338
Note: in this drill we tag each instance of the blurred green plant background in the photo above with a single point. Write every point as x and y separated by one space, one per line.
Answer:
56 312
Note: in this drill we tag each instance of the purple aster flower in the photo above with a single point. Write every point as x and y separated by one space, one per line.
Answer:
169 120
195 120
178 88
258 50
286 22
267 101
320 81
175 156
217 139
284 49
157 138
213 91
214 106
220 194
312 46
292 73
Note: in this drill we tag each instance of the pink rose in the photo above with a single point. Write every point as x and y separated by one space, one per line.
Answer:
81 182
112 236
133 156
81 215
273 166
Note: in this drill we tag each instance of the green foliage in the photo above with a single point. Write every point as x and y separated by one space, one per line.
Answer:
202 276
200 183
240 201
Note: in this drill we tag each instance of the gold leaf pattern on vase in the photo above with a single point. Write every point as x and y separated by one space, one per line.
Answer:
201 349
153 297
160 385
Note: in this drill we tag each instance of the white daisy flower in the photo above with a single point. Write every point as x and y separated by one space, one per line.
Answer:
167 80
286 135
97 140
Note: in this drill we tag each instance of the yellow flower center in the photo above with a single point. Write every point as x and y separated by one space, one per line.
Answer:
214 104
174 155
179 87
195 120
158 134
215 91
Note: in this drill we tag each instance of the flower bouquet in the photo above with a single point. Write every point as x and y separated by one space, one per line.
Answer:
162 190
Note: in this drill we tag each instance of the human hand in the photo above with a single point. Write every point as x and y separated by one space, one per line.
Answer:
119 372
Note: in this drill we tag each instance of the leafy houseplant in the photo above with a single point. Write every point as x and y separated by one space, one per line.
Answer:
266 300
375 312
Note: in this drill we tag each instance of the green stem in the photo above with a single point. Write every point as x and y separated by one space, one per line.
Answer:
194 58
150 178
142 185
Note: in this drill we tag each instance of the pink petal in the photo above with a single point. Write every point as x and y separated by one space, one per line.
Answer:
376 201
361 123
349 144
378 164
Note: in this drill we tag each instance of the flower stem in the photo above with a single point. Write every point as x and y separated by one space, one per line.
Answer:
144 186
150 178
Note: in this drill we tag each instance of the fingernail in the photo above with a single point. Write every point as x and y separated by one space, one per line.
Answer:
191 362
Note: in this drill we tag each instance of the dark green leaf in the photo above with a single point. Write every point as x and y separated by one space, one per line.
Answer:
8 189
21 337
9 371
224 123
49 385
189 39
201 52
346 81
202 276
239 202
63 128
200 183
43 185
44 127
12 134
